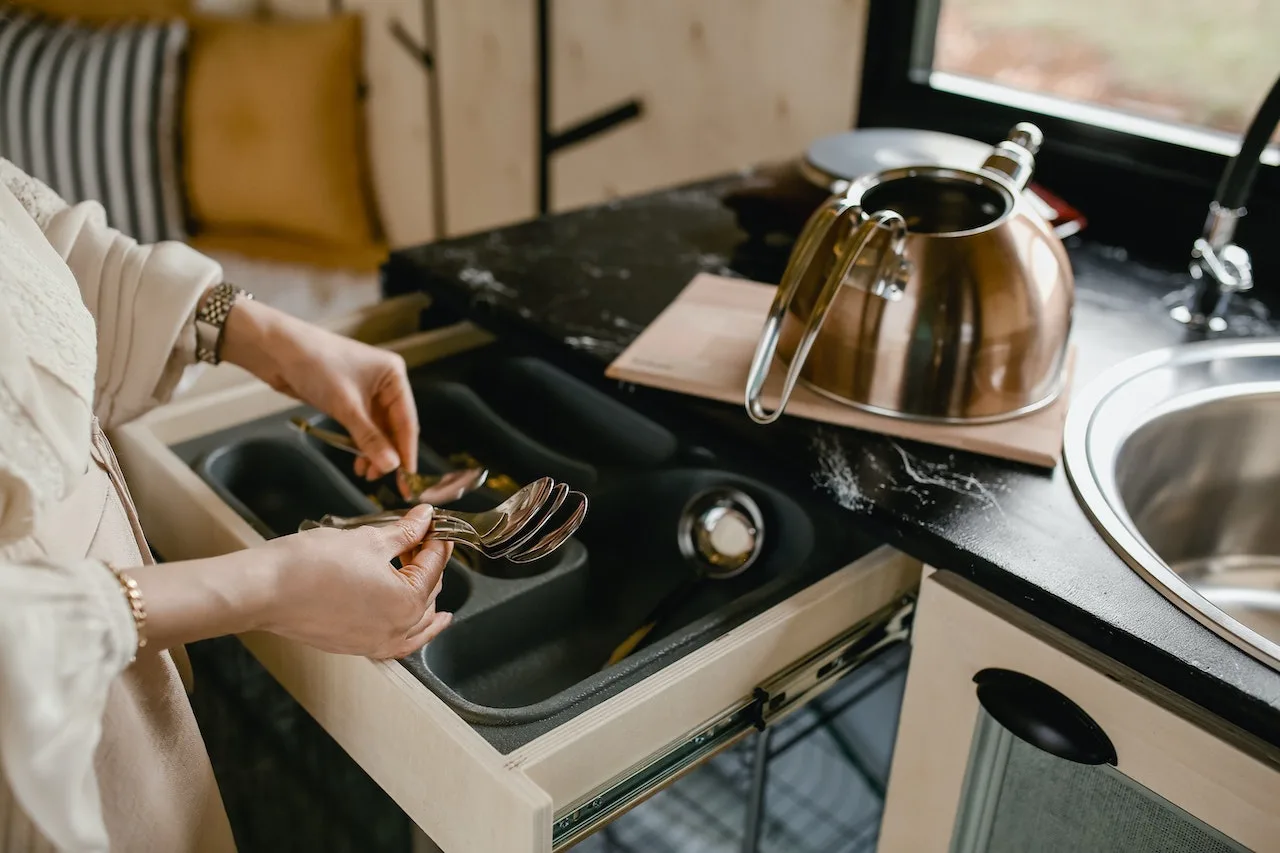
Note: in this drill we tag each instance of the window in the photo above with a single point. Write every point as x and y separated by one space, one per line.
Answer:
1198 63
1141 102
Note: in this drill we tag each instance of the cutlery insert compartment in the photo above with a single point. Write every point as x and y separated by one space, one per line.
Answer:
503 661
530 644
564 412
537 647
647 514
455 419
275 484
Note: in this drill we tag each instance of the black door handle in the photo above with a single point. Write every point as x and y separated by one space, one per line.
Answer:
1036 713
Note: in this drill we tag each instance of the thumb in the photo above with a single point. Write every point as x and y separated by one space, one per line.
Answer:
375 446
407 532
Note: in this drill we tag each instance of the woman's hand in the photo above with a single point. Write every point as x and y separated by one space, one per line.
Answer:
364 388
332 589
338 591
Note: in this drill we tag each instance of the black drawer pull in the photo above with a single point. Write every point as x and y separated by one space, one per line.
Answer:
1043 717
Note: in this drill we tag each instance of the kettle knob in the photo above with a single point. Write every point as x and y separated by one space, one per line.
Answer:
1027 135
1015 157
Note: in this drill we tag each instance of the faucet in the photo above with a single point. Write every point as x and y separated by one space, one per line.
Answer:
1221 269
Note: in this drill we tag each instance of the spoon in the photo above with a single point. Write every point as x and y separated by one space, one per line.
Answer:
434 489
493 527
500 538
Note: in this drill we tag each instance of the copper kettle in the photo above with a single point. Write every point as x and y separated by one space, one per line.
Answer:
929 293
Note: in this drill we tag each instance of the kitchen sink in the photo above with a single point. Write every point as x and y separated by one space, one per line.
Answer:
1175 456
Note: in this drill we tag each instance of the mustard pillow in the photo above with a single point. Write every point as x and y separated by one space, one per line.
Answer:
101 10
273 130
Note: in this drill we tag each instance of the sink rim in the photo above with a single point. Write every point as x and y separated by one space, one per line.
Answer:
1098 496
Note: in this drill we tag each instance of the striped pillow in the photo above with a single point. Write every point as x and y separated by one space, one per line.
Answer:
93 112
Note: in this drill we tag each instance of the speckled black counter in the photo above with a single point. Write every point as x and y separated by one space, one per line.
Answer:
583 284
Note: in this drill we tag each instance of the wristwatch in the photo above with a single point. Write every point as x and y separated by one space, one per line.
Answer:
211 317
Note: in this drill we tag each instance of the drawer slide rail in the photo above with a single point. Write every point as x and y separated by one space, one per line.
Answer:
772 701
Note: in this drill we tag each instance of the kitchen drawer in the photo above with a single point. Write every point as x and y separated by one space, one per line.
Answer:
441 763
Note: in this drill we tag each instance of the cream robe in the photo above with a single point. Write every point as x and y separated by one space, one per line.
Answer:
95 753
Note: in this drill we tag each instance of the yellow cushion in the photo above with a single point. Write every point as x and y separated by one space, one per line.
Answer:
273 131
283 250
100 10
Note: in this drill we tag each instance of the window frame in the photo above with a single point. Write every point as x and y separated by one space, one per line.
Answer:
1100 166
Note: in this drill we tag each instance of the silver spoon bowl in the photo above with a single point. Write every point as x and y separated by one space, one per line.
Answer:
503 532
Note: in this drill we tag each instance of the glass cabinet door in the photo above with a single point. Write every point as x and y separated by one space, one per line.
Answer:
1019 798
1014 738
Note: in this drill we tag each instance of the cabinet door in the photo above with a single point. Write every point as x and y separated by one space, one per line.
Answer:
1014 737
721 85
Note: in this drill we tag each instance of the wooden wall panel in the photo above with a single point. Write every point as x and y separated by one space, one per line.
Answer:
487 62
725 84
397 118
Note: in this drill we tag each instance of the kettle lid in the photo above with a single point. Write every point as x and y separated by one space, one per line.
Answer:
846 156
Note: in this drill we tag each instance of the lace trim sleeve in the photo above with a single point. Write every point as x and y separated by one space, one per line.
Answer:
40 201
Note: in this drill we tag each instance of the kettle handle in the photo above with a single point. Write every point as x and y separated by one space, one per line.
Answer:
802 258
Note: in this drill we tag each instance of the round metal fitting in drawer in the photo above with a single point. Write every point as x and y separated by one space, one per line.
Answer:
722 531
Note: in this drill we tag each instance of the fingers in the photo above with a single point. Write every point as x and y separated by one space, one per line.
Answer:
431 622
405 534
427 567
429 631
382 457
428 613
401 417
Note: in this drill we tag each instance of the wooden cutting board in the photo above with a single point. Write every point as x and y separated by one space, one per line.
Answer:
702 344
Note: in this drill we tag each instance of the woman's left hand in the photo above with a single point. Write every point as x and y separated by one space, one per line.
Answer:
364 388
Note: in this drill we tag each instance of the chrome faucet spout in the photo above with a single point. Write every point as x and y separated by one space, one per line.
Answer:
1221 269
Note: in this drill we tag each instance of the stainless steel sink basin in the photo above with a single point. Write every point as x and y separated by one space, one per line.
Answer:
1175 455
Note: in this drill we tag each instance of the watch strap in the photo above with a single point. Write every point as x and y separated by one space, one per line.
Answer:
211 318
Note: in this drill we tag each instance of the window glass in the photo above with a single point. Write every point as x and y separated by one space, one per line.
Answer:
1206 63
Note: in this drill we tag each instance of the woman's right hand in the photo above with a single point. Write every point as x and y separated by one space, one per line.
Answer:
336 590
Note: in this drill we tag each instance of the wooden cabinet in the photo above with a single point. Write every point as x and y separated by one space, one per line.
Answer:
721 85
482 113
1015 737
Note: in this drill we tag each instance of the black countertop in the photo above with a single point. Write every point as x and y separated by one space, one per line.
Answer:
592 279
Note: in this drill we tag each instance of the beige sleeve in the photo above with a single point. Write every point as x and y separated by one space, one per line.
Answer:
66 630
65 635
143 298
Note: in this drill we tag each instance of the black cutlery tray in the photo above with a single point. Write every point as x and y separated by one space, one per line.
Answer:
529 642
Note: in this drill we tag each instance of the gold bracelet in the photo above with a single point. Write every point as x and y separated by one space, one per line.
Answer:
136 604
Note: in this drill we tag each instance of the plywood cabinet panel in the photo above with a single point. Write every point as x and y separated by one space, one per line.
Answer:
397 111
486 59
724 84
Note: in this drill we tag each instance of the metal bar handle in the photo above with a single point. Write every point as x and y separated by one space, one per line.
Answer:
801 259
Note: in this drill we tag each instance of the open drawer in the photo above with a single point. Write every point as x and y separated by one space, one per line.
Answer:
559 753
